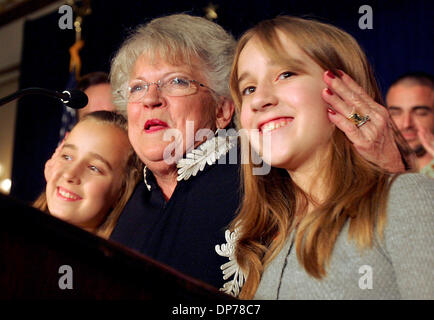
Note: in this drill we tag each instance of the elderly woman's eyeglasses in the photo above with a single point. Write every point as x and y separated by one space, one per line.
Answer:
174 87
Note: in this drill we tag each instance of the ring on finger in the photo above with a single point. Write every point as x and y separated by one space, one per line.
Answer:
357 119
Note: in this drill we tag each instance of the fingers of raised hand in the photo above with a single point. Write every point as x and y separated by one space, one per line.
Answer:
353 90
374 140
345 95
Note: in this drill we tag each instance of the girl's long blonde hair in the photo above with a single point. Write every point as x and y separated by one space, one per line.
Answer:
131 175
273 204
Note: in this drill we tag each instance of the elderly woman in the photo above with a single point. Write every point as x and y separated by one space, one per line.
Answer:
172 78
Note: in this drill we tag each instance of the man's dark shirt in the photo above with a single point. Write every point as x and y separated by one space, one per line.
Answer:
184 231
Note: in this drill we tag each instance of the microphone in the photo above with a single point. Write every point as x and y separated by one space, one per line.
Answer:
75 99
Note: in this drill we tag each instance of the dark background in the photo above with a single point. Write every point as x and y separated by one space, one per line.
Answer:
401 40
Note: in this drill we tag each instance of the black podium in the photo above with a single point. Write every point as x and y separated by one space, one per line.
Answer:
42 257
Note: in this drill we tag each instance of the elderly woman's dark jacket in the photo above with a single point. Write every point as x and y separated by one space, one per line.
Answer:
184 231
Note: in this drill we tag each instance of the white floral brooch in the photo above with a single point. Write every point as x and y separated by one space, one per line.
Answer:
208 152
231 268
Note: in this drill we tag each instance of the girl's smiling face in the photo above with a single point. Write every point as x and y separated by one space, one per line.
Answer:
282 101
87 176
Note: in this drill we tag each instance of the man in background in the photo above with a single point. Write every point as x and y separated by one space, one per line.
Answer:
411 105
97 87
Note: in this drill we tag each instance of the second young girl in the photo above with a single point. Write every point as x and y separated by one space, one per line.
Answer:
93 174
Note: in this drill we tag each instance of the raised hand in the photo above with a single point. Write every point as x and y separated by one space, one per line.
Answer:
369 128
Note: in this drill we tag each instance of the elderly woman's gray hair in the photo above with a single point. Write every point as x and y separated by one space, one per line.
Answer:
178 39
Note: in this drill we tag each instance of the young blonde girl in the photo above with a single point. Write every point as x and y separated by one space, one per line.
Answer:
324 223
